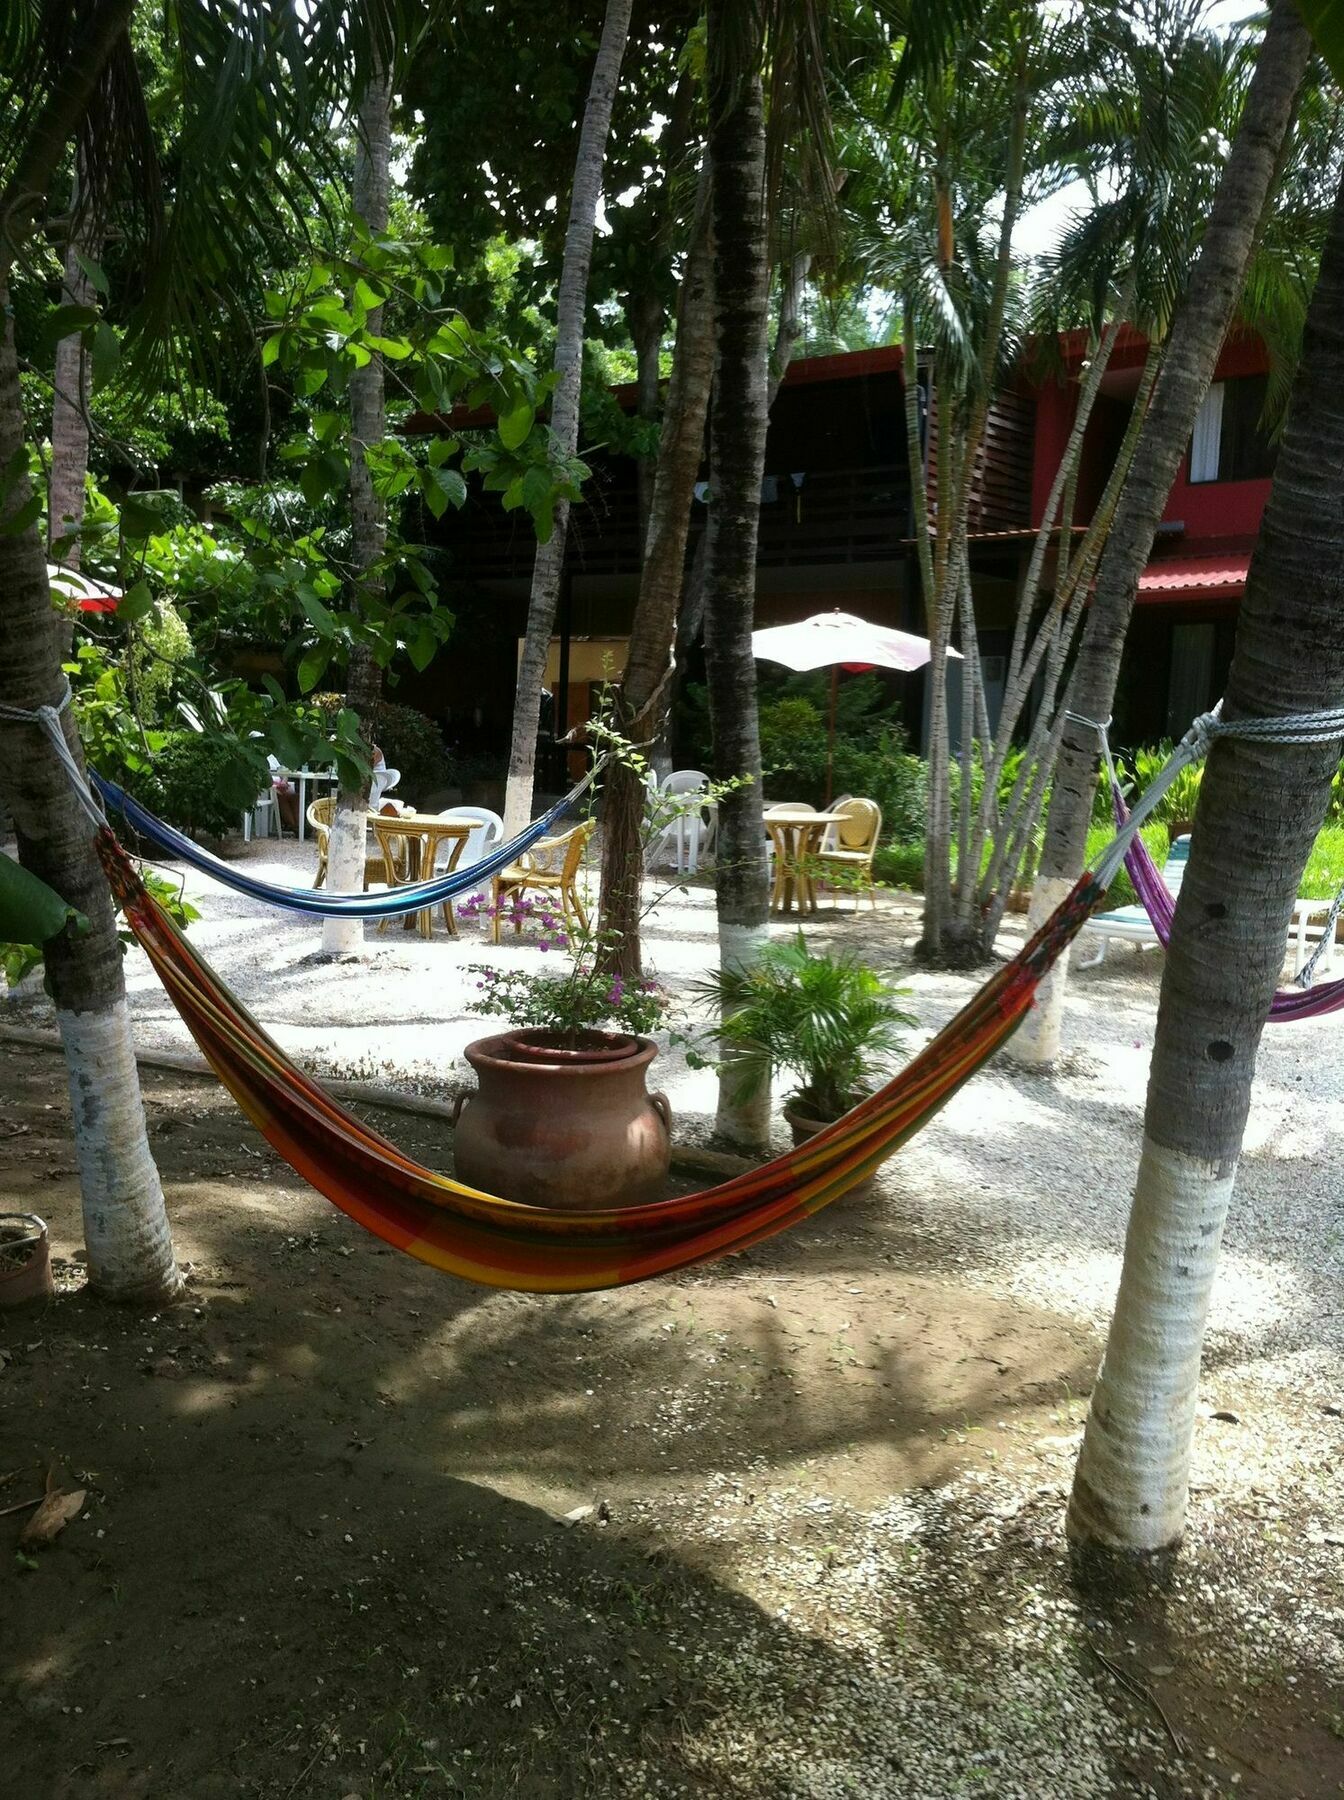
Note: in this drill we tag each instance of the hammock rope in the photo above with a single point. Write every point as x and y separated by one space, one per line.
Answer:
1303 1000
391 904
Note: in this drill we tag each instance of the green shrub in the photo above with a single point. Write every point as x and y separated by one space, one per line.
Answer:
1141 768
409 740
1122 888
1324 874
900 865
827 1020
204 781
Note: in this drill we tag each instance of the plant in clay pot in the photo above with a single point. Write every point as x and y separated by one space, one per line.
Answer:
561 1115
826 1020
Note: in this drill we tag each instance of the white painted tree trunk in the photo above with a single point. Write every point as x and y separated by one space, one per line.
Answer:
1037 1040
1133 1472
126 1235
345 875
570 310
743 1117
368 522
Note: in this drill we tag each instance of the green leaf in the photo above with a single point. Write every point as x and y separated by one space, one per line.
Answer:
138 518
93 272
440 449
368 298
64 321
314 481
313 666
106 354
30 911
135 603
318 616
422 645
28 514
1325 21
270 349
516 423
289 745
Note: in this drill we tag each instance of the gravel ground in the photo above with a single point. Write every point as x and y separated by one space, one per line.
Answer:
1019 1189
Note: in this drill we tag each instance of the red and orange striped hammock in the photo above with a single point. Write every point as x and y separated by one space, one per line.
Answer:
501 1243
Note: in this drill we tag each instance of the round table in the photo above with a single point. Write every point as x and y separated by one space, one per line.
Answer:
410 846
797 836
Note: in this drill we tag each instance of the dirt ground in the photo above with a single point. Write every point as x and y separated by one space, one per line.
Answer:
786 1527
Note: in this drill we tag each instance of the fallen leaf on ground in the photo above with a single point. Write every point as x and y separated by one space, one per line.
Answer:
52 1516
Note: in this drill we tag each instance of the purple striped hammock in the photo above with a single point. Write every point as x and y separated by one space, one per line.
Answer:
1160 905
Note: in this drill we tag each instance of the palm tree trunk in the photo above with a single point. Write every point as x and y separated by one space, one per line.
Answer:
1196 339
70 406
70 421
788 335
645 318
739 414
571 307
25 195
1260 807
368 520
680 452
127 1236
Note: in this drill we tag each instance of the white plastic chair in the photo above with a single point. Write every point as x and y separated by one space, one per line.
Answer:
689 833
382 782
487 830
265 810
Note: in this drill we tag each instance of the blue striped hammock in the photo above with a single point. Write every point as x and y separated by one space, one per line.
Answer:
392 904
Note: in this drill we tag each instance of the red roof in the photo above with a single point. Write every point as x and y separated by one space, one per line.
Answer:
1171 579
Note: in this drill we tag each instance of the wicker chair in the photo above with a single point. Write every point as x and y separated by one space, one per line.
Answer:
856 835
550 866
320 815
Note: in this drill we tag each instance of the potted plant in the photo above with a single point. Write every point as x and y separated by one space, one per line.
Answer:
561 1115
25 1259
825 1019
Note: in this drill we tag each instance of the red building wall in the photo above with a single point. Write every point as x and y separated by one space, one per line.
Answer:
1213 509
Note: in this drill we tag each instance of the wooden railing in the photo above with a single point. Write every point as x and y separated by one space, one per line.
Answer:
832 516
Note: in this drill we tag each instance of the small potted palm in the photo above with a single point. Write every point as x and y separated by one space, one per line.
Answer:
827 1020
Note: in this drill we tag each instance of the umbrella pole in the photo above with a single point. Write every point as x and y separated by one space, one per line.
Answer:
830 734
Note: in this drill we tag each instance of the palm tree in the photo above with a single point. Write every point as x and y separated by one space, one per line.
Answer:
1260 807
253 85
648 669
738 419
368 514
70 401
1196 337
571 307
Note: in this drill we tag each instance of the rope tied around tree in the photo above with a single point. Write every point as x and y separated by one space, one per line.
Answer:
48 719
1322 727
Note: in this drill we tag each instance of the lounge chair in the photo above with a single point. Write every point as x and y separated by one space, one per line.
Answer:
1131 924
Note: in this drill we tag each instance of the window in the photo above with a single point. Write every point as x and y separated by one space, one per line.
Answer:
1229 442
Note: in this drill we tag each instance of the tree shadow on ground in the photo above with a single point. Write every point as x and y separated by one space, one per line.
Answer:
293 1582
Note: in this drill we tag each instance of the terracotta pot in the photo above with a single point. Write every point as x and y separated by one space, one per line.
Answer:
25 1259
804 1126
572 1128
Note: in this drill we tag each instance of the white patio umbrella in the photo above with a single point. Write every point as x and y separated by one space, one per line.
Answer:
88 594
836 641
